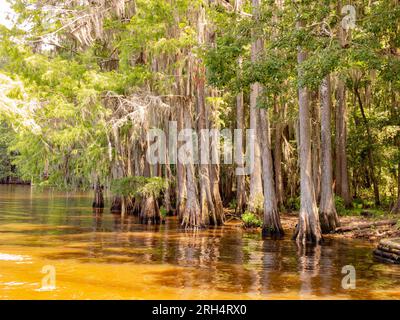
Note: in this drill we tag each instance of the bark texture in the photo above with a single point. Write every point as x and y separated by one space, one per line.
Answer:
308 228
327 211
241 196
279 191
192 216
272 226
98 196
341 169
255 204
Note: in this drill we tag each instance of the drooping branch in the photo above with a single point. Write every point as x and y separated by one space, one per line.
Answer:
22 109
84 22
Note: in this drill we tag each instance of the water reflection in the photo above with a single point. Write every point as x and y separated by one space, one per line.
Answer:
217 263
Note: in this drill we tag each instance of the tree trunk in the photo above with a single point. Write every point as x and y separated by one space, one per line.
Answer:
327 210
150 212
241 196
180 168
341 170
206 203
272 226
396 115
98 196
316 145
116 205
191 217
215 176
278 155
308 228
180 91
216 195
256 192
369 151
169 177
279 109
210 199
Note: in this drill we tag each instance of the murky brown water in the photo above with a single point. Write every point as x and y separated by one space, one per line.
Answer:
100 256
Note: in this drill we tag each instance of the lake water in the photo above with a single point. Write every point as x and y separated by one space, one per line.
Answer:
94 255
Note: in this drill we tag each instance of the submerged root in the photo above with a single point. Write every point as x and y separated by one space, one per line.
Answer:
192 218
122 205
116 206
328 221
307 232
98 198
272 227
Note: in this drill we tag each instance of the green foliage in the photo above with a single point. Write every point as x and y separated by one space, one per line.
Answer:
340 205
233 204
139 186
6 158
373 212
293 204
222 63
251 220
163 212
70 83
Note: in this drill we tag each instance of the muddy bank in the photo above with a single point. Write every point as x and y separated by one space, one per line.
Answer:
371 229
382 227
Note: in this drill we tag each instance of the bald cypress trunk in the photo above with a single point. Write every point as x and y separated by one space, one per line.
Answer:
207 207
341 170
180 170
327 211
308 228
370 145
206 200
272 224
98 195
279 110
241 196
149 209
256 192
316 143
191 217
150 212
216 195
215 172
278 155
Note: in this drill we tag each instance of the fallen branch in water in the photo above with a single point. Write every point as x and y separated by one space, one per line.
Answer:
366 225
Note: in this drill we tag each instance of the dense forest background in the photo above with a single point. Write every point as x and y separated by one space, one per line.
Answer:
82 82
